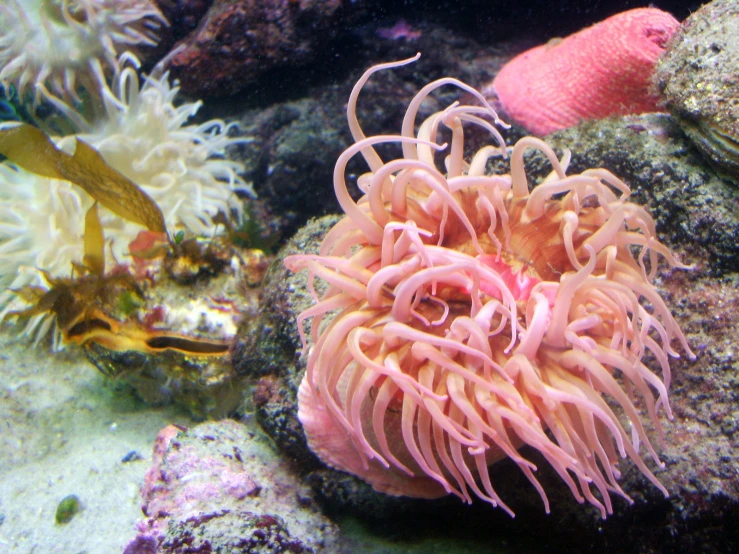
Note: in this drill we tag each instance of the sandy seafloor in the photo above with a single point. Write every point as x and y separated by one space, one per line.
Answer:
65 430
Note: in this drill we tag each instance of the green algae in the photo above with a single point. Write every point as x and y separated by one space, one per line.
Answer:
67 509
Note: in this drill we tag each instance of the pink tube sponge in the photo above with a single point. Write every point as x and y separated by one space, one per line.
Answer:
601 71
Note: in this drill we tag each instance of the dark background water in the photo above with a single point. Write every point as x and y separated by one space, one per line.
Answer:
510 19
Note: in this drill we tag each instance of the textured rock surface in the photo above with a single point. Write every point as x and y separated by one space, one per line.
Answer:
270 346
183 15
699 78
295 143
227 531
218 487
239 41
267 348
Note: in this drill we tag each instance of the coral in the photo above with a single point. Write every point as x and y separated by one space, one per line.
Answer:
699 78
145 137
473 316
56 48
604 70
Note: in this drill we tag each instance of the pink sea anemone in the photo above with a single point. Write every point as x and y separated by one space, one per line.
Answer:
466 315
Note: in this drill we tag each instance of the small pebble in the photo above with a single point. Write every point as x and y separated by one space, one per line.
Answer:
67 509
131 457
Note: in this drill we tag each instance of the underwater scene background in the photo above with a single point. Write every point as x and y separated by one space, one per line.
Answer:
369 276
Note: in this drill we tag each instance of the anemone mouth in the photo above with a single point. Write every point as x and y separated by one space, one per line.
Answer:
466 314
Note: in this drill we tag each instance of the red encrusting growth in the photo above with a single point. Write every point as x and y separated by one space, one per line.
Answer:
604 70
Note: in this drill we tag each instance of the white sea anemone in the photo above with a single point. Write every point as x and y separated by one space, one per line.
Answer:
146 137
56 47
41 225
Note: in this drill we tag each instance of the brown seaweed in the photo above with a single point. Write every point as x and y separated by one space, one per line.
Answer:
94 258
31 149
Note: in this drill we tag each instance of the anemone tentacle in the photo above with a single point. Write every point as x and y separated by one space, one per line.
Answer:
483 316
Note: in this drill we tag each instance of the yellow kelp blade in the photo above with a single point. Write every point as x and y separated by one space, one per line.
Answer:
121 196
31 149
94 258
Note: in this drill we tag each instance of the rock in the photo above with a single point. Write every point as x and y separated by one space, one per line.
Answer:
183 15
295 142
239 41
699 78
227 531
270 346
219 487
